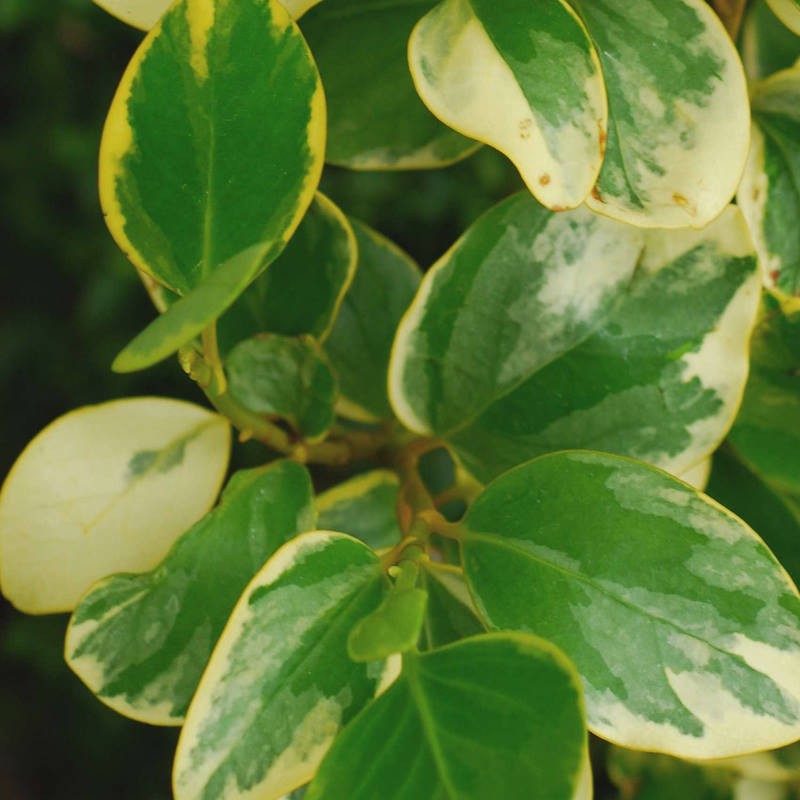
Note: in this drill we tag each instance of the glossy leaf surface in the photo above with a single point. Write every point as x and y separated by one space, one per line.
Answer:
105 489
236 188
375 119
487 717
301 291
523 78
280 683
286 378
766 434
141 642
682 624
364 507
361 340
518 289
678 111
769 194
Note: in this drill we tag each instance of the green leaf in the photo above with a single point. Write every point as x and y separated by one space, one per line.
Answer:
364 507
280 684
518 289
788 11
523 78
376 120
774 515
283 377
773 766
486 718
766 434
645 776
361 340
769 194
141 642
105 489
767 46
683 626
679 120
236 188
301 291
450 614
509 356
394 626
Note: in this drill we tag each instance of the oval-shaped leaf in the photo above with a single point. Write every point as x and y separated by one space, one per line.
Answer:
280 683
684 627
286 378
141 642
364 507
518 289
360 343
303 288
494 716
678 111
660 380
105 489
375 117
237 187
788 11
769 194
766 434
523 78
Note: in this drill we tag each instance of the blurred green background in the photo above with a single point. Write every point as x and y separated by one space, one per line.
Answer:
69 303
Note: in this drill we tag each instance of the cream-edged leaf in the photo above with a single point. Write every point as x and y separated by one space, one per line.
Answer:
767 45
105 489
236 188
280 684
140 642
523 78
682 624
678 111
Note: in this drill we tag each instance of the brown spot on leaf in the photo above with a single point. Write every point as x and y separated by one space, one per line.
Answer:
680 200
775 274
558 208
544 179
525 128
596 194
602 137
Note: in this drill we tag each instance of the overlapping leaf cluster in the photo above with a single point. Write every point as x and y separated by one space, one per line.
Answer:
519 552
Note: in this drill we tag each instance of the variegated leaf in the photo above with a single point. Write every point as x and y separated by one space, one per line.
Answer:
766 434
678 111
683 626
364 507
523 78
303 288
287 378
236 188
529 337
522 285
104 489
141 642
375 117
450 614
788 11
769 194
488 717
361 340
280 683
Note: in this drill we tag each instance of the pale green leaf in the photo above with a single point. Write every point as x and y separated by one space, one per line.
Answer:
141 642
280 683
682 624
450 614
105 489
486 718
